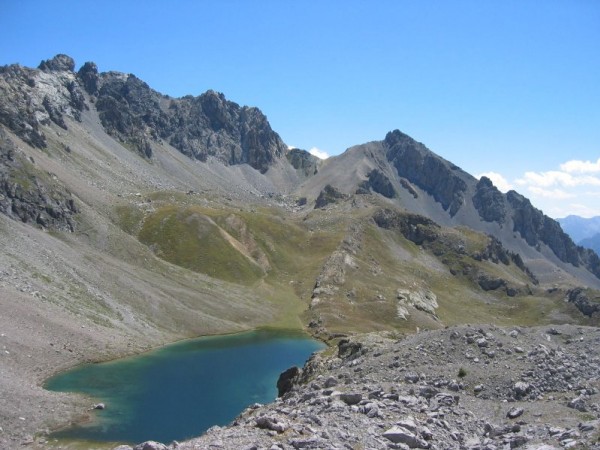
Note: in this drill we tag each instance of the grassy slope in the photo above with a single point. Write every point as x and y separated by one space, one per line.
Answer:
386 261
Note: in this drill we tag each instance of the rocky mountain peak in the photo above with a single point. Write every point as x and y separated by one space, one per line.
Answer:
200 127
438 177
60 63
88 74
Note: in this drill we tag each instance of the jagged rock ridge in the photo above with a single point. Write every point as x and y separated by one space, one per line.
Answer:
413 161
211 126
199 127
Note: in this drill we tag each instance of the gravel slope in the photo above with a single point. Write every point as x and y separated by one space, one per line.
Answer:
533 388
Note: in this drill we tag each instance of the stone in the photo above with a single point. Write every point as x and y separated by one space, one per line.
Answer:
271 423
286 380
330 382
513 413
401 435
351 398
578 403
313 442
408 423
521 389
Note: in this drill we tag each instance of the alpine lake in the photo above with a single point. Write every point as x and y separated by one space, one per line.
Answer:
180 390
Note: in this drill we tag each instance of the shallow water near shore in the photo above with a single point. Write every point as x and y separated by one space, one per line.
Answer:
181 390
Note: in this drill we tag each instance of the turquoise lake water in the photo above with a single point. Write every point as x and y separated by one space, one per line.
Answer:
181 390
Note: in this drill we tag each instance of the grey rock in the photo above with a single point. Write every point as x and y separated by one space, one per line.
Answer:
379 183
398 434
521 389
513 413
32 197
313 442
150 445
329 195
579 298
271 423
578 403
489 201
58 63
286 380
331 382
434 175
351 398
303 162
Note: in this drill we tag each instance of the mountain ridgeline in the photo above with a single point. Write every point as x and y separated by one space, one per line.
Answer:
129 219
199 127
210 127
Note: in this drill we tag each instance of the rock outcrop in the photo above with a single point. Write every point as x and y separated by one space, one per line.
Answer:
415 228
303 162
328 195
29 195
582 301
200 127
31 98
441 179
379 183
537 228
489 201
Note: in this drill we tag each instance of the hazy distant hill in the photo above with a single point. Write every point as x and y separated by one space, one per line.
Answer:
580 228
592 242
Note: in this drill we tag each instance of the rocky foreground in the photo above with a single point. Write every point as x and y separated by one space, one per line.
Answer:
469 387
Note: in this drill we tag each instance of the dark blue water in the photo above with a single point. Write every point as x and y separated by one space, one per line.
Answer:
183 389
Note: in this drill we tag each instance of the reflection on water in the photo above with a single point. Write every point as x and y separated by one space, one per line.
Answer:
183 389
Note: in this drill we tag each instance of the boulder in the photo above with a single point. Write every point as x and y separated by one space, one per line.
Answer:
521 389
513 413
287 379
271 423
400 435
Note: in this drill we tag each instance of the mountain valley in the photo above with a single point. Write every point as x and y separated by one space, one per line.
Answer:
131 219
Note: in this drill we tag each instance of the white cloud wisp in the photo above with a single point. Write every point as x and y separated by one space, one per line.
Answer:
318 153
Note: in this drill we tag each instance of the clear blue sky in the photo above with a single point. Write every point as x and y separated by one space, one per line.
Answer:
509 86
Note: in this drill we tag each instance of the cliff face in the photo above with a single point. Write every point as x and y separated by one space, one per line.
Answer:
535 227
135 114
199 127
29 195
30 98
439 178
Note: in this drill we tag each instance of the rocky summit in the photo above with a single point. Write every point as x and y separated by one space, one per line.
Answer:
130 219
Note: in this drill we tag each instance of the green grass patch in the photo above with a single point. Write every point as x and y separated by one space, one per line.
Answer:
188 238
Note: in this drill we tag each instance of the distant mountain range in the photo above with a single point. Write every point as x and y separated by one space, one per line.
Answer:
584 231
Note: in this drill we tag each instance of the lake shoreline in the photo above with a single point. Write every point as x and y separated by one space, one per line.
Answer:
278 349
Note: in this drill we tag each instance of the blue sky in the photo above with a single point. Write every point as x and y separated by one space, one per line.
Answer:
508 88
